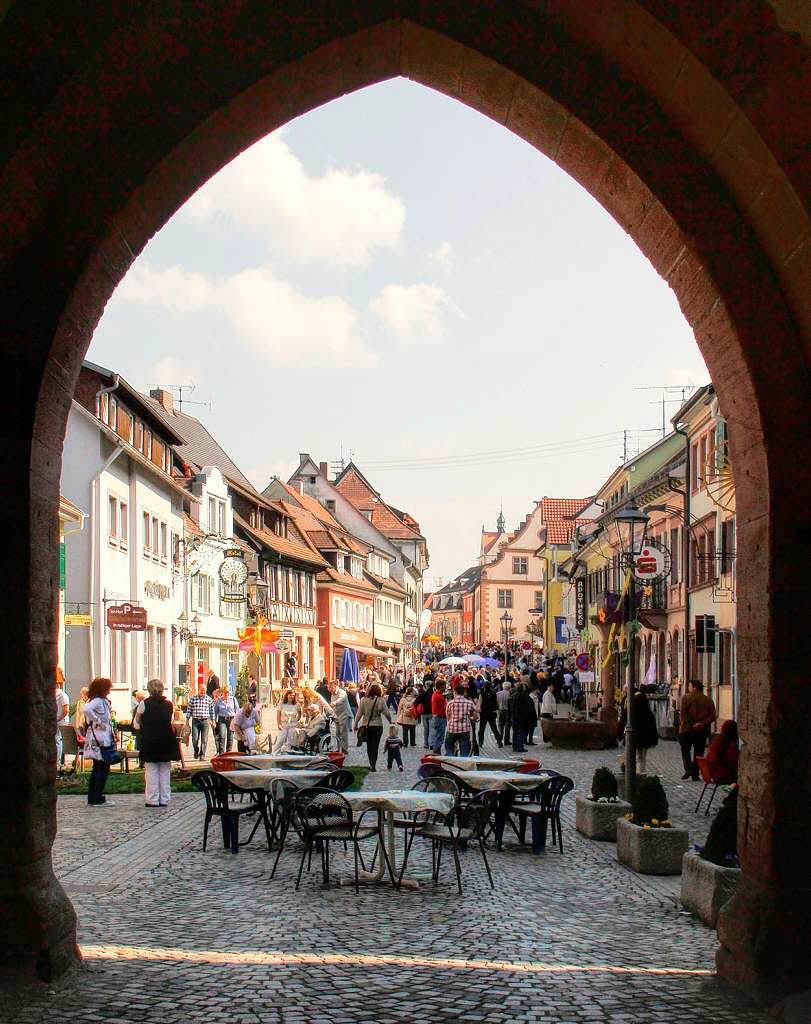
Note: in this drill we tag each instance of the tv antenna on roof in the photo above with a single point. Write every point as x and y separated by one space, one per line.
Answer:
664 401
177 392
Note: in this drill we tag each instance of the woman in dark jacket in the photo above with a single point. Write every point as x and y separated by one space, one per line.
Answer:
488 714
159 746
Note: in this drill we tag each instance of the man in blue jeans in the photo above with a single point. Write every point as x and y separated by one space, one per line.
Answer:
460 713
438 720
201 712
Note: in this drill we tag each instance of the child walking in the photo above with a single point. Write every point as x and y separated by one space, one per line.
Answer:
392 748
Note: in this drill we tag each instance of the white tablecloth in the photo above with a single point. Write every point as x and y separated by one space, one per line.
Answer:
495 781
285 761
403 800
264 777
481 763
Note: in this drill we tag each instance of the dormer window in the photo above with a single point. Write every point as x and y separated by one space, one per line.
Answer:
339 562
330 504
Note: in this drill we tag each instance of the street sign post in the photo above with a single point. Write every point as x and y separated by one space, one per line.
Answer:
583 662
128 618
78 620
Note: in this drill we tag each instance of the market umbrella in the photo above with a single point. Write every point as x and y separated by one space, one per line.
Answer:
349 667
453 661
477 661
491 663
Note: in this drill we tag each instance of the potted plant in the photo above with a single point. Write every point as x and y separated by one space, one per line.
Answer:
647 842
710 873
596 814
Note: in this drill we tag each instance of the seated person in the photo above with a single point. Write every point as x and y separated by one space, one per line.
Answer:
722 757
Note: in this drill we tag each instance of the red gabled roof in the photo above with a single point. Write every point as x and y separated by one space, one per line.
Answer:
354 486
558 508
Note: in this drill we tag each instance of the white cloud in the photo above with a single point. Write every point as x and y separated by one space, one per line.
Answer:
415 313
290 327
442 256
265 313
173 288
338 217
172 370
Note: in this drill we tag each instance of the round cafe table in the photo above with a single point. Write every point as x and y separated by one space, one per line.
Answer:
474 763
505 785
386 803
264 777
291 761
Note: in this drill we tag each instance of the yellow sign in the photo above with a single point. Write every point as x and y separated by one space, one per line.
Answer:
78 620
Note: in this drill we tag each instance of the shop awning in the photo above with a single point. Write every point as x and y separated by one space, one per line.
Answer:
373 651
212 641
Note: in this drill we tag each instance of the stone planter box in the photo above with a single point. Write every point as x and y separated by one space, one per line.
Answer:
651 851
599 821
562 732
706 887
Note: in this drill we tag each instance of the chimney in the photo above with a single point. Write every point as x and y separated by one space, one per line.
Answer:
324 470
164 398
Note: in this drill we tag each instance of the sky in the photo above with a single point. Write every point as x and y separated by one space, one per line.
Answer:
396 278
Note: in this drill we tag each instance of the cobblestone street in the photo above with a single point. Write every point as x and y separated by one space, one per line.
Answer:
172 934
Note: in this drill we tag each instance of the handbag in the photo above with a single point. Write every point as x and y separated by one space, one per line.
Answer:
109 754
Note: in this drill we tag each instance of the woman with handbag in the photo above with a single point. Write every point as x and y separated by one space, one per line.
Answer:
371 712
99 745
159 745
407 716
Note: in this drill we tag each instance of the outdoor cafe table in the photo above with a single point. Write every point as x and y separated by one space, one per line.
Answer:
504 784
387 802
291 761
262 778
474 763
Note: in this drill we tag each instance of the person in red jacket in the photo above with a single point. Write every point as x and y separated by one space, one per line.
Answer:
722 757
439 720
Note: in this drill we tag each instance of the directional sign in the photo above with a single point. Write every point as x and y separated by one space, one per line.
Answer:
78 620
126 617
583 662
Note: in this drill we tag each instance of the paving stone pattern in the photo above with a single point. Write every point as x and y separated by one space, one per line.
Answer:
172 934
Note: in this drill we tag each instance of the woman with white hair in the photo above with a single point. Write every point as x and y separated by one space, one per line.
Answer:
159 746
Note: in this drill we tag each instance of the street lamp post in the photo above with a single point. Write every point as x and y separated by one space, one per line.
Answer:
631 524
506 622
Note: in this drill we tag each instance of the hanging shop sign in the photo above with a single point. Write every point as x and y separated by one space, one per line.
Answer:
282 646
652 563
580 602
128 618
233 576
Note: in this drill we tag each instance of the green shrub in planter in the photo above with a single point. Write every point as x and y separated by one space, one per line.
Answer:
603 785
649 805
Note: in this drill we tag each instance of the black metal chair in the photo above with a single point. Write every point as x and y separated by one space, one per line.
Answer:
341 780
414 819
218 793
465 823
543 804
326 816
283 815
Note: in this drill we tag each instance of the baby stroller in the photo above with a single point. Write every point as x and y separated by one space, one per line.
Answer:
317 736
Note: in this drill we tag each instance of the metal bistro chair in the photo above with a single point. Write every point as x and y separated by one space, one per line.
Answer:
283 815
218 793
325 815
708 780
543 804
72 748
465 823
341 780
415 819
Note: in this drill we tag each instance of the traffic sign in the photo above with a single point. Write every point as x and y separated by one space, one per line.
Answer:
583 662
78 620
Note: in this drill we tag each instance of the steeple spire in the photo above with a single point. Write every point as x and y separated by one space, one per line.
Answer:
501 522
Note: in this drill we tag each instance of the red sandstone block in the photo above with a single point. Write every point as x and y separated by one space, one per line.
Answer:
624 195
699 107
371 56
487 86
431 58
583 155
537 118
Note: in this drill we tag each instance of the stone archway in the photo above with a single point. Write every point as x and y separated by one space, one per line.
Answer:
679 119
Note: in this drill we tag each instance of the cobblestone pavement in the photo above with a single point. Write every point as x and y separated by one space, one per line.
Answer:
172 934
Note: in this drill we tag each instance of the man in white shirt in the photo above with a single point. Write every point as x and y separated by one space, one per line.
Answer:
549 705
62 707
